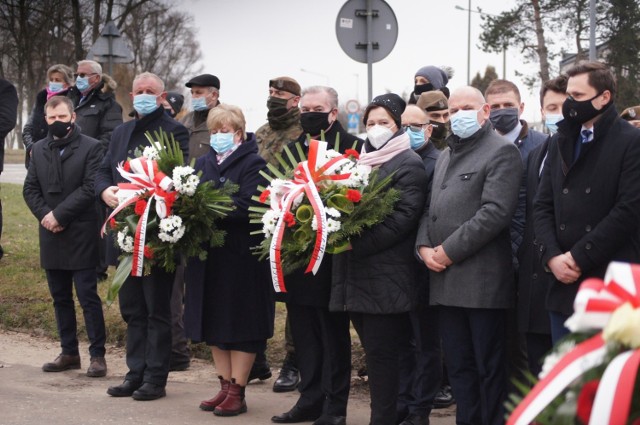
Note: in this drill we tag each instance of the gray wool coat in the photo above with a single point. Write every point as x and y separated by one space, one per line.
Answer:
474 195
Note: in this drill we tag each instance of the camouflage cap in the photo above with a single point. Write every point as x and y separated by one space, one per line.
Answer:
631 114
432 101
287 84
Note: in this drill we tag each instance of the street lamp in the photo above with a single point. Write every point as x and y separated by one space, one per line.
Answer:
326 77
504 48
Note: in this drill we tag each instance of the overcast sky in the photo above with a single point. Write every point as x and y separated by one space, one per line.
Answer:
247 42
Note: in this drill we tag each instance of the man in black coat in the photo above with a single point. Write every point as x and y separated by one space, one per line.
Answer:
59 192
321 338
587 212
8 115
144 301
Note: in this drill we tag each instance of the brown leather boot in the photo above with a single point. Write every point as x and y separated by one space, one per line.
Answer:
234 404
97 367
212 403
62 362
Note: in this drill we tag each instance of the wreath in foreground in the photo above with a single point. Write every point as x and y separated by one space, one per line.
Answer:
317 206
164 212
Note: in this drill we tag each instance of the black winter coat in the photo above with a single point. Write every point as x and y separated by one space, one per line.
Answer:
125 140
76 247
590 207
378 276
36 127
8 114
229 297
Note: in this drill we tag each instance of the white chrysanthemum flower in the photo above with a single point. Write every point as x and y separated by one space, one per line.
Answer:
151 152
184 180
332 212
125 241
359 176
554 357
171 229
332 225
269 221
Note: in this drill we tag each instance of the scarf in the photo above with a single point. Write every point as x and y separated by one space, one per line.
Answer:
55 168
390 149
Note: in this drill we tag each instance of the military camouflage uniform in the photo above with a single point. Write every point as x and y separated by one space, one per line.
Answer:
273 136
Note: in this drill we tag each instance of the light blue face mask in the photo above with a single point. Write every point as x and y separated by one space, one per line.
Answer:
55 87
416 137
199 103
145 104
221 142
551 122
82 84
465 123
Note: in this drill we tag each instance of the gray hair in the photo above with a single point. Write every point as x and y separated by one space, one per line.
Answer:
96 68
330 91
150 75
67 73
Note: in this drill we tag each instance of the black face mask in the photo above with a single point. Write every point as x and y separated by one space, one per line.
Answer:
581 111
277 107
418 89
314 122
60 129
441 130
504 120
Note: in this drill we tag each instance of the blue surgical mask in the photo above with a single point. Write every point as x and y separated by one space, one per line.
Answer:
416 137
82 84
55 87
464 123
551 122
199 103
145 104
221 142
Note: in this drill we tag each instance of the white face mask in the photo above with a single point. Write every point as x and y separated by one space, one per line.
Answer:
378 135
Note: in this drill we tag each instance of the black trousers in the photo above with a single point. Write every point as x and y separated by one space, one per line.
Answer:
381 336
323 354
538 346
420 364
61 284
145 305
474 341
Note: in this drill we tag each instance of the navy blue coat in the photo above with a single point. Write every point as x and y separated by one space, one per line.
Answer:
126 138
228 297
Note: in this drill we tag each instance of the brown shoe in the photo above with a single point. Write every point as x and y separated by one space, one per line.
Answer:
97 367
62 362
234 403
212 403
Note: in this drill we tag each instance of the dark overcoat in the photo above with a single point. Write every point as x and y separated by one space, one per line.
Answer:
76 247
590 207
228 297
125 139
533 280
379 275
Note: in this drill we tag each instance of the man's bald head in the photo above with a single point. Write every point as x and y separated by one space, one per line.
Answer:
469 98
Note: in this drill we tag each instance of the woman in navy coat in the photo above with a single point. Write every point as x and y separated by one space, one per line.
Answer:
229 301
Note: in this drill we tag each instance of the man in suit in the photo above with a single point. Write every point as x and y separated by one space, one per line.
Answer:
144 301
59 192
8 115
587 212
464 241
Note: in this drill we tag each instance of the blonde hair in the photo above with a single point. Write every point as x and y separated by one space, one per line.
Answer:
149 75
67 73
225 114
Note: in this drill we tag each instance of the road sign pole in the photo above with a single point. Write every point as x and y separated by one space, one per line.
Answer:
369 52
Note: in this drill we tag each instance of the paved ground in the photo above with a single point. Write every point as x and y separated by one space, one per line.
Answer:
29 396
13 173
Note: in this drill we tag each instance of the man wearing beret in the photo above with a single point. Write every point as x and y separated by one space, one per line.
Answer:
205 91
283 116
435 104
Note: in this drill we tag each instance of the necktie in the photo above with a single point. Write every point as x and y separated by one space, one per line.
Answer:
584 138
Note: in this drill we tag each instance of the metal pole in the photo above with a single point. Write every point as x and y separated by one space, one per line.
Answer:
504 63
110 40
592 30
370 51
469 46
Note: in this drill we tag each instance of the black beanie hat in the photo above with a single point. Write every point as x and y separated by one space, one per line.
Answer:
392 103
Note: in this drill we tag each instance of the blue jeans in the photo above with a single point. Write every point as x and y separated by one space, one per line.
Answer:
558 331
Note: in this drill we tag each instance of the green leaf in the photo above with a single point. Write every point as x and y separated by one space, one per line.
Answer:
122 273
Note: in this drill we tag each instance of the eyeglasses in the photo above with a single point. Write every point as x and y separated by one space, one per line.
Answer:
82 75
414 127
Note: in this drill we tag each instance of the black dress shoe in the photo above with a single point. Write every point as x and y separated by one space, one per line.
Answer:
149 391
126 389
331 420
259 370
444 398
294 416
416 420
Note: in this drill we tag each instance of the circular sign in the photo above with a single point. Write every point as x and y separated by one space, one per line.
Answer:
351 29
352 106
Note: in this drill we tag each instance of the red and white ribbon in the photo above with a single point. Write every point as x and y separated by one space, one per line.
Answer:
306 177
145 179
594 304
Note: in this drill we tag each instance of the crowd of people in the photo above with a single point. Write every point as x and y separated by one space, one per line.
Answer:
465 285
